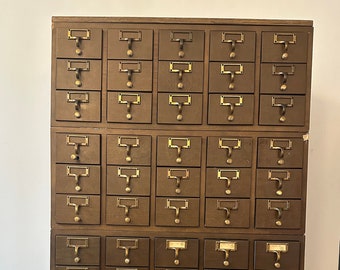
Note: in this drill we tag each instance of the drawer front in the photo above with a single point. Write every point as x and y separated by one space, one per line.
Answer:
226 77
180 76
78 43
76 268
282 110
128 150
231 109
280 152
125 180
178 253
174 181
227 213
277 183
179 108
78 74
177 212
229 254
181 45
77 209
78 106
232 46
228 182
127 251
77 148
279 214
77 250
283 79
179 151
129 75
124 210
273 255
130 44
229 152
128 107
284 46
77 179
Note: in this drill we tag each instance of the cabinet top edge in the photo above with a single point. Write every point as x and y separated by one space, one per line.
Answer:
173 20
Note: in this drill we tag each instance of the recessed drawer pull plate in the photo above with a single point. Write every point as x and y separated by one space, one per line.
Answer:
230 145
76 202
78 35
178 175
231 101
76 243
226 247
180 101
128 142
277 249
129 99
284 39
284 71
128 173
181 37
232 38
279 206
227 206
281 145
76 141
228 175
279 176
130 36
78 66
127 245
127 204
232 70
130 68
176 245
177 143
177 205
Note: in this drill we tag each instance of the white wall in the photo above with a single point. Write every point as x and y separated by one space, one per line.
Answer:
25 110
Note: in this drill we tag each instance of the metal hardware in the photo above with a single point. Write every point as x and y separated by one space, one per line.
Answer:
229 144
181 37
279 176
227 206
128 173
127 204
135 101
76 141
284 71
129 36
277 249
84 201
281 145
77 98
78 66
180 104
77 243
226 247
127 245
231 105
183 205
128 142
176 245
228 175
279 210
78 35
77 172
130 68
180 68
233 69
178 175
284 39
186 145
76 268
283 103
232 38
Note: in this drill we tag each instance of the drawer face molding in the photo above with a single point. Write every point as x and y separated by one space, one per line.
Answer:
179 143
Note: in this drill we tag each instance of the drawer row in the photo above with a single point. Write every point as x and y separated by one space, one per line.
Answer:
178 44
84 252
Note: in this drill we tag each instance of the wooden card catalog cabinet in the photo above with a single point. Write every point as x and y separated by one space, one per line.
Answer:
179 143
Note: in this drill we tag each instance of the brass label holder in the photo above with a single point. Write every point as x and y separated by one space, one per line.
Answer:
227 206
76 243
179 101
177 205
178 175
78 66
176 245
76 141
279 206
130 68
284 39
283 71
130 36
281 145
232 38
177 143
229 144
226 247
283 103
128 142
181 37
231 101
77 202
78 35
127 245
127 204
129 99
228 175
180 68
277 249
77 98
279 176
128 173
77 172
232 70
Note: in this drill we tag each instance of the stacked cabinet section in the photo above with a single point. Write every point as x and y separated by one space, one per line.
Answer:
179 143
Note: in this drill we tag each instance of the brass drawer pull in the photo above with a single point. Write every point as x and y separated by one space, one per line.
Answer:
78 67
227 206
176 245
284 39
181 37
128 142
76 268
279 176
277 249
232 70
229 144
175 143
127 245
226 247
127 204
232 38
77 141
128 173
129 99
281 145
78 35
177 205
178 175
77 98
130 68
284 71
283 103
186 102
228 175
278 206
77 172
76 202
76 243
129 36
180 68
231 103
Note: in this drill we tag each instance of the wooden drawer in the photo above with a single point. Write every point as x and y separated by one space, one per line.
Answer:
129 75
127 251
129 107
229 152
178 253
231 109
227 213
232 46
82 106
130 44
77 250
176 108
124 180
73 74
76 268
128 150
77 209
78 43
180 76
77 148
226 254
226 77
228 182
181 45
